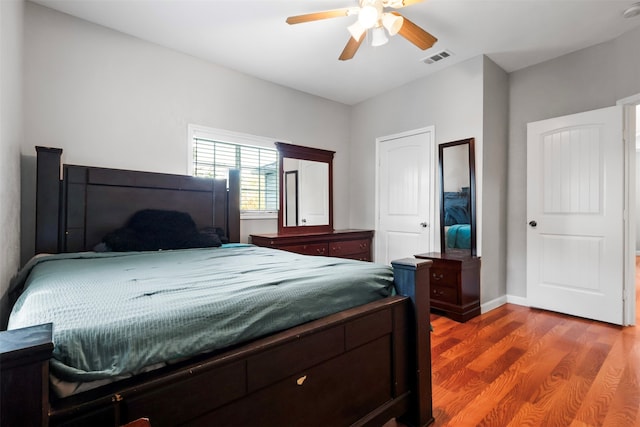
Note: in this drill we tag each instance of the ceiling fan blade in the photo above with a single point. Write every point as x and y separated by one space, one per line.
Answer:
397 4
351 48
335 13
415 34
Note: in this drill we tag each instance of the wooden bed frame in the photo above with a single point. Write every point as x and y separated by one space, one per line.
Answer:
362 366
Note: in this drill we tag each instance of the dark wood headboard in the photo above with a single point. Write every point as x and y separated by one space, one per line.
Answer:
75 212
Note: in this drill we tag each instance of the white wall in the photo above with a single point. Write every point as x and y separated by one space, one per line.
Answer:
11 47
112 100
591 78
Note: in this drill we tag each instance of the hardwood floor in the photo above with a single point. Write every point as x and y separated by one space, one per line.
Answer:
516 366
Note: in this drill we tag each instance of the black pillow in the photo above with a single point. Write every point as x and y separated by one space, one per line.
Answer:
215 231
153 229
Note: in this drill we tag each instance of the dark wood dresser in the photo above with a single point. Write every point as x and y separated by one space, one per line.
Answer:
455 284
353 244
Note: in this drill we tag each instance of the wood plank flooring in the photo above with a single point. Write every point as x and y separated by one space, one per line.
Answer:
517 366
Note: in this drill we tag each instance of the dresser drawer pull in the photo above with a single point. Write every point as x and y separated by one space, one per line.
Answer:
438 276
301 380
439 293
320 250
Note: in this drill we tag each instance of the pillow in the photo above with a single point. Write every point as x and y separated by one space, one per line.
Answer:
152 230
456 215
161 221
215 231
456 207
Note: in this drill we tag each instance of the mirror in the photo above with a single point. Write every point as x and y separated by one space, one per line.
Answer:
306 189
457 197
290 198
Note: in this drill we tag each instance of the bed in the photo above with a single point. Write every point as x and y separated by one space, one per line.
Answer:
362 363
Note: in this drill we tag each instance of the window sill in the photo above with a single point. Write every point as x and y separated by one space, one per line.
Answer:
259 215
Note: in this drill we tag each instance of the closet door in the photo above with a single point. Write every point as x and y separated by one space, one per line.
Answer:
406 196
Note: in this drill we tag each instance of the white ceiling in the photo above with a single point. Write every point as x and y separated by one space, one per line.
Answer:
251 36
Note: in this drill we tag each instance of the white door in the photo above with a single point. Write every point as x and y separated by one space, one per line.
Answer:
575 170
405 196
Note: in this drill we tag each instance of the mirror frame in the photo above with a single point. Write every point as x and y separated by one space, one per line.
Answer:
303 153
472 194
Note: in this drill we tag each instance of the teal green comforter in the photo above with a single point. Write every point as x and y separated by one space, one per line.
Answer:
117 313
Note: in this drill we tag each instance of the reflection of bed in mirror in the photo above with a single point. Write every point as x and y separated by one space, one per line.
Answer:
456 196
457 220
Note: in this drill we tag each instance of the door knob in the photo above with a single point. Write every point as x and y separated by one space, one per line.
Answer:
533 223
424 224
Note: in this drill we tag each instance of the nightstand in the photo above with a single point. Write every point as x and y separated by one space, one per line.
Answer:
455 284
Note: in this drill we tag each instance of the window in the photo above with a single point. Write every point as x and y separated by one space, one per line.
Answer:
213 152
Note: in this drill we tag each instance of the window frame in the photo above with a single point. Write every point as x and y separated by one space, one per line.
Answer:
232 137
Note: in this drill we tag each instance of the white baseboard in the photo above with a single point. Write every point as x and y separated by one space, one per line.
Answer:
512 299
495 303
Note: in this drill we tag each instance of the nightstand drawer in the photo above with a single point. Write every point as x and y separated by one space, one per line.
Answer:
444 294
444 277
349 247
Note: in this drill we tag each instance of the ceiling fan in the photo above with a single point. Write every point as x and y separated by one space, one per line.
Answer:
372 16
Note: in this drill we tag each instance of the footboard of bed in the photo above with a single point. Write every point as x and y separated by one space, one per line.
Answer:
362 366
24 376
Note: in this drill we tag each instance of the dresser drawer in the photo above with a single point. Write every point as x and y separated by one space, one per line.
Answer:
362 256
310 249
444 294
443 277
353 244
349 247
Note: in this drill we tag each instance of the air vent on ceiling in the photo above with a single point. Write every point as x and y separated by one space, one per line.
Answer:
437 57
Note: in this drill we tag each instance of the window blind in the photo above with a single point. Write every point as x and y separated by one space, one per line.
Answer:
258 170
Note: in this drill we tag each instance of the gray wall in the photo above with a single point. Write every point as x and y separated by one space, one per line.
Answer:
638 195
466 100
591 78
450 100
494 182
112 100
11 47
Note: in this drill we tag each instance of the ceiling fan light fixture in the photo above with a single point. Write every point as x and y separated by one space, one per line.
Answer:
392 23
396 4
356 30
378 37
368 16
